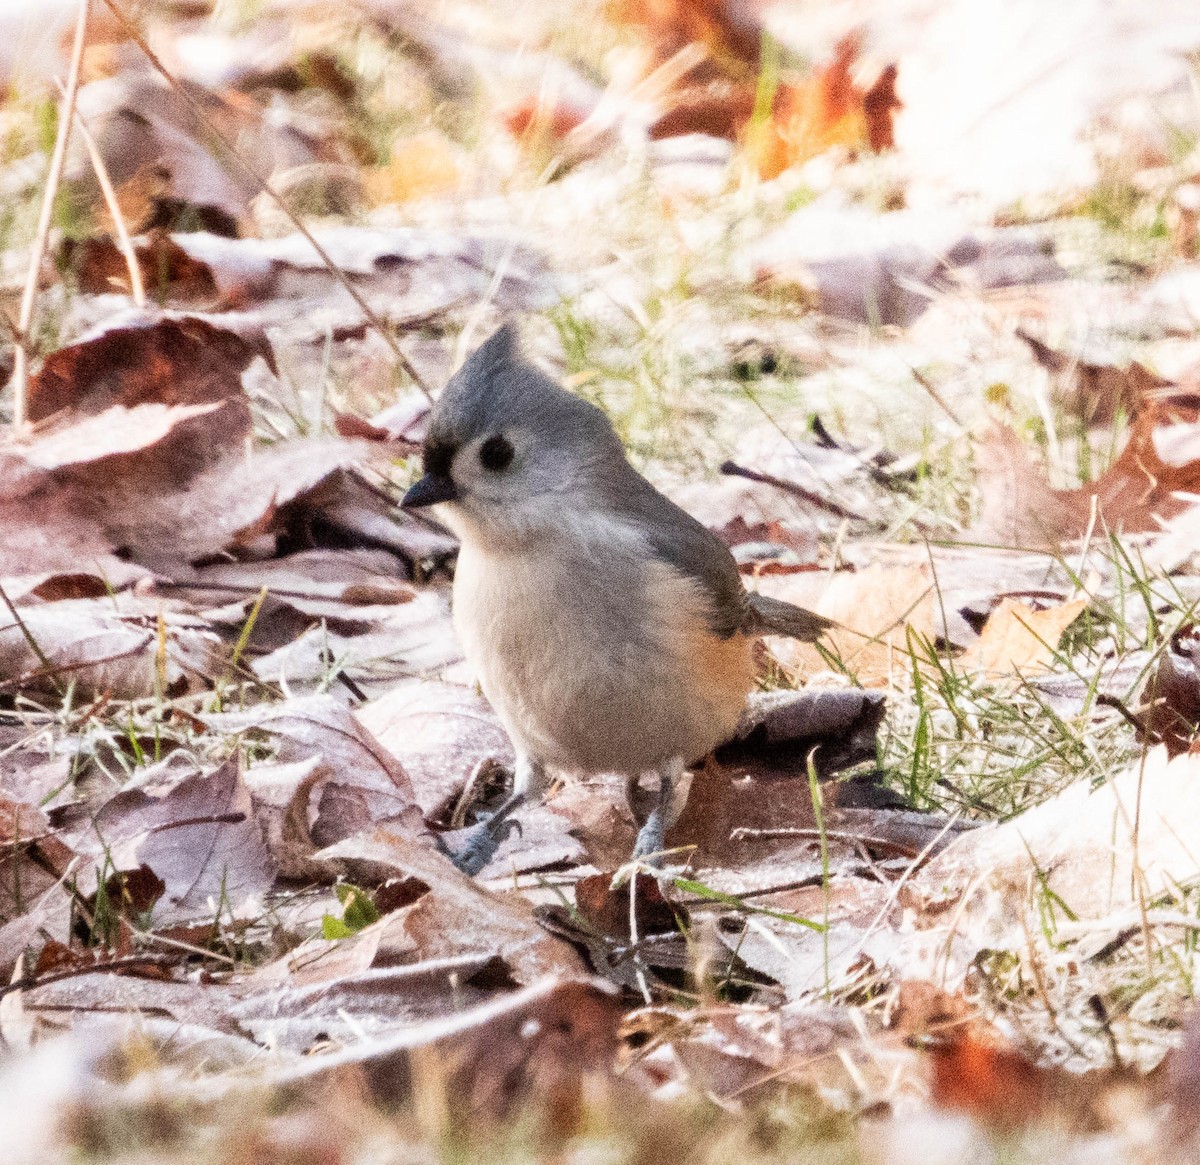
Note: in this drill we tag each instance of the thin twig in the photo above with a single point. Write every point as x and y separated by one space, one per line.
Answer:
248 169
20 376
936 396
136 288
732 469
113 966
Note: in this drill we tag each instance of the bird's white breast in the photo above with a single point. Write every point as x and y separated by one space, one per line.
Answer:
596 655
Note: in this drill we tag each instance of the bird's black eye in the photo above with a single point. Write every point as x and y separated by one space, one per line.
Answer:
496 453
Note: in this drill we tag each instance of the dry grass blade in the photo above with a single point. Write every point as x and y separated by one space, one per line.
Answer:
20 375
136 287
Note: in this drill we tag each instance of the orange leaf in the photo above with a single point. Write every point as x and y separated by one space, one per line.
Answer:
823 110
1017 638
422 166
995 1084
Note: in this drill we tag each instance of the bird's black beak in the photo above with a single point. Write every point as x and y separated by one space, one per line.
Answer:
431 489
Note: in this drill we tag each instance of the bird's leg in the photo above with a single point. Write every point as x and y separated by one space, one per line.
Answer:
479 844
668 805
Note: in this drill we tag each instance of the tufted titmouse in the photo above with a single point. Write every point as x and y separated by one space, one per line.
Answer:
609 628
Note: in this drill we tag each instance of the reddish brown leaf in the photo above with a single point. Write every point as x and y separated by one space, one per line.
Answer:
608 910
880 105
183 361
1021 508
731 30
533 118
192 829
827 108
995 1084
329 779
168 271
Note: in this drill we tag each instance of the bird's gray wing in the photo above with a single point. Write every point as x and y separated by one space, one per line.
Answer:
695 551
682 542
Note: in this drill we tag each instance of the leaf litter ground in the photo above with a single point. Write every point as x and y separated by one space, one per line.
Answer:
936 901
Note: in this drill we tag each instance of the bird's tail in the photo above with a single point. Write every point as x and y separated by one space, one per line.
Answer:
768 616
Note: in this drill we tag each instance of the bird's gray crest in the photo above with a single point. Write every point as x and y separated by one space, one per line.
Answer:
497 388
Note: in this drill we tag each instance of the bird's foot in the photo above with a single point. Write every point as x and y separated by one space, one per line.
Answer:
650 841
472 849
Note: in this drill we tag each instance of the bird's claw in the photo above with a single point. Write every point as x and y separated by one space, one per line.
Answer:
480 843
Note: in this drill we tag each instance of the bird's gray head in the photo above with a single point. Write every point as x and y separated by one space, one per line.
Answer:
507 447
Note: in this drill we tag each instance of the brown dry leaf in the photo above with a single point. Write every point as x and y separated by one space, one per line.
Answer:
1101 852
1093 388
400 643
780 731
329 779
407 275
139 359
805 961
112 433
372 1002
440 733
880 106
979 1073
537 121
457 916
154 140
103 646
730 30
169 271
1017 638
329 583
607 909
887 269
740 1055
531 1052
885 614
177 363
1137 492
84 998
194 830
445 735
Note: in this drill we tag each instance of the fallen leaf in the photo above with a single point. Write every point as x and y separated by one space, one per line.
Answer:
1094 388
166 268
531 1051
101 646
1137 492
730 30
886 269
780 732
1101 852
993 1083
827 108
425 165
368 1003
880 106
193 829
1019 639
885 617
440 733
329 778
456 917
